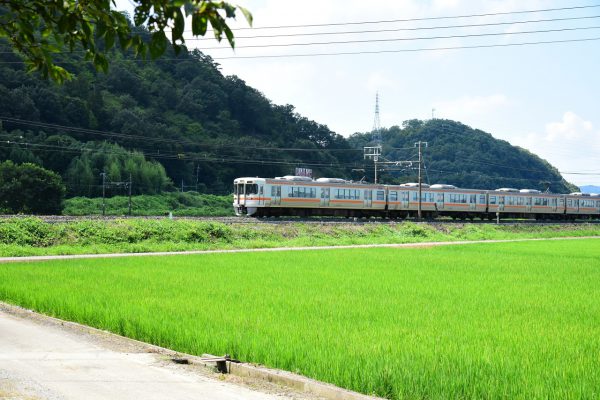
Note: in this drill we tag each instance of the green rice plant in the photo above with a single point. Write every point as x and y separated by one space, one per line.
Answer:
511 320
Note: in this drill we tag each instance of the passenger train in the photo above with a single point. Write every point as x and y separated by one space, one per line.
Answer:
303 196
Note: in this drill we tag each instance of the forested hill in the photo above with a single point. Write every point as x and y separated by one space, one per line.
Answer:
178 121
459 155
179 113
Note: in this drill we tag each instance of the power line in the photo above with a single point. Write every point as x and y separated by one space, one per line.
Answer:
409 39
161 140
372 31
482 46
404 29
423 18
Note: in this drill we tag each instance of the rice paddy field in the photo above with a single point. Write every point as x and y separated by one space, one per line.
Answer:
510 320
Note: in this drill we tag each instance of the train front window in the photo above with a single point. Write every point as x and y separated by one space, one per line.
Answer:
251 189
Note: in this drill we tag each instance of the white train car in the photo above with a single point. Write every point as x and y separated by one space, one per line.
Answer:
582 205
302 196
436 200
525 203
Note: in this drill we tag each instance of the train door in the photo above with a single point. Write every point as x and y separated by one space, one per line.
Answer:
439 201
404 201
473 202
276 195
261 195
324 197
576 205
500 203
554 203
529 205
368 198
236 193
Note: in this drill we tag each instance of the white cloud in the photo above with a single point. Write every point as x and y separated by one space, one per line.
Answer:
466 107
572 127
572 145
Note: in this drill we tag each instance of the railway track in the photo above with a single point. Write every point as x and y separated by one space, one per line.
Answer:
291 220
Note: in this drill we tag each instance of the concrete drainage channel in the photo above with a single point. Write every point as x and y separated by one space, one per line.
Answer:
220 364
297 382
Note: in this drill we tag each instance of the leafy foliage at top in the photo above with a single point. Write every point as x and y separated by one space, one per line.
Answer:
39 28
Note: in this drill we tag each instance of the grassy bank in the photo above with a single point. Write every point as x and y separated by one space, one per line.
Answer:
31 236
518 320
189 204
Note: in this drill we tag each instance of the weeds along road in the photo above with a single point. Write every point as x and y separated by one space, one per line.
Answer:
293 220
40 359
275 249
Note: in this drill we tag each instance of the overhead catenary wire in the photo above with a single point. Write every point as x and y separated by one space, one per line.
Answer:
389 40
424 18
388 30
161 140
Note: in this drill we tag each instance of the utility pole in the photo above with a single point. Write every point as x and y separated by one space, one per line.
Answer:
197 175
182 185
103 174
372 153
419 144
432 113
130 181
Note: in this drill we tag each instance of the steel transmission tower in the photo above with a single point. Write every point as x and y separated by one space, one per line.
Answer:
376 132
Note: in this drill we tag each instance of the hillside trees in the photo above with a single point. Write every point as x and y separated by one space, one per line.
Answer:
28 188
83 174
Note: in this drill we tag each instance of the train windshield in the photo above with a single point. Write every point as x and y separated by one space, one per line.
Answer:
251 189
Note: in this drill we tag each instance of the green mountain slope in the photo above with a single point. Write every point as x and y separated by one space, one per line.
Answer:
178 122
459 155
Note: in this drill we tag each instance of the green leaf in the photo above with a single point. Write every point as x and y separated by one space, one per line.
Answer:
109 39
100 62
247 15
179 25
229 35
158 44
199 24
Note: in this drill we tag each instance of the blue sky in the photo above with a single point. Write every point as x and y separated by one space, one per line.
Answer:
544 98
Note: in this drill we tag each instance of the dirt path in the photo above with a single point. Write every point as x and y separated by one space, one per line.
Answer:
357 246
42 359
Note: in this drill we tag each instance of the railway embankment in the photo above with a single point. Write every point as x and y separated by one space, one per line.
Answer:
33 236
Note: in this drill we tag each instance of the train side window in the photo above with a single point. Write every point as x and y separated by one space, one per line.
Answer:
260 190
482 199
492 199
440 197
473 199
393 196
545 202
380 195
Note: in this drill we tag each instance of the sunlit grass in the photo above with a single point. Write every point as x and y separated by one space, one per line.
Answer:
515 320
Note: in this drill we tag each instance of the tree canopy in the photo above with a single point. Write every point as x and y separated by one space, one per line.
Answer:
38 29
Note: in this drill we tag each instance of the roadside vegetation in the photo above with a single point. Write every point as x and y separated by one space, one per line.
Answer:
511 320
189 204
32 236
